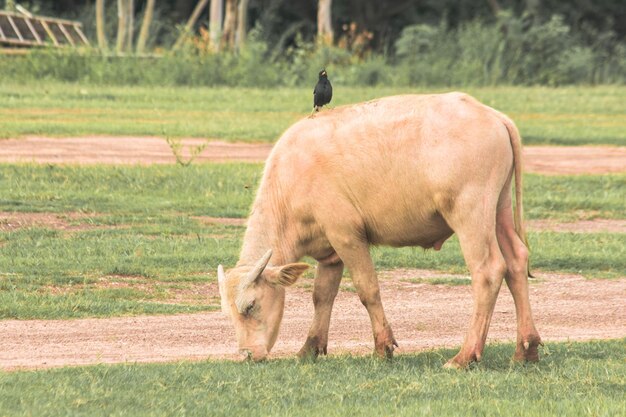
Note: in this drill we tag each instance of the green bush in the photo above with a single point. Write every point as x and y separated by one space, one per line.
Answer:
512 50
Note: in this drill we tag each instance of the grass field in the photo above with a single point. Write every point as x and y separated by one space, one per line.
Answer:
132 240
138 228
227 190
573 379
572 116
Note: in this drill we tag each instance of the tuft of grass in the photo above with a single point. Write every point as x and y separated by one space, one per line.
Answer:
450 281
177 149
574 379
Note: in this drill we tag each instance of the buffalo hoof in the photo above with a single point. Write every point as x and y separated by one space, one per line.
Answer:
385 344
451 364
255 355
528 350
312 348
462 360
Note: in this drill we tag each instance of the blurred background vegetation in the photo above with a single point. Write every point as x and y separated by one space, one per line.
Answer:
266 43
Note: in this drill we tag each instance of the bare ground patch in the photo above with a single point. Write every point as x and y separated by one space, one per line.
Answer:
423 316
229 221
69 221
580 226
166 292
150 150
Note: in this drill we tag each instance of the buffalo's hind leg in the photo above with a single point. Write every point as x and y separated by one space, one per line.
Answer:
516 256
325 288
475 226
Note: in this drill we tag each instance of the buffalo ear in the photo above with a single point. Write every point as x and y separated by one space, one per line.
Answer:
286 275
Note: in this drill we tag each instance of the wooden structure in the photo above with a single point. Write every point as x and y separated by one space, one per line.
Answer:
27 30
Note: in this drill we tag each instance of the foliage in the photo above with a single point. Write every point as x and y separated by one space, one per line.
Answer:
573 379
508 51
176 145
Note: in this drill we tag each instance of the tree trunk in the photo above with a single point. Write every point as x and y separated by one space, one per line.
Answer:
533 8
190 23
230 25
242 24
495 7
100 25
324 22
215 22
121 26
130 20
144 33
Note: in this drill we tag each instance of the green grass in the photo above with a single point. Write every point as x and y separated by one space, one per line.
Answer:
569 198
133 241
228 190
591 254
209 189
572 116
140 268
574 379
450 281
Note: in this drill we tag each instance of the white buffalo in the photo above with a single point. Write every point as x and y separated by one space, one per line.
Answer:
406 170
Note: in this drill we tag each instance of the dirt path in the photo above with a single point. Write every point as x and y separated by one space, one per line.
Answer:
423 316
147 150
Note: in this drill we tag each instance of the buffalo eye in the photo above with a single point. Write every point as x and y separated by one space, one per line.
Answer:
248 309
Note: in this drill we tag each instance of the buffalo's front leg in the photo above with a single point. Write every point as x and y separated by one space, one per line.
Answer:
326 286
355 254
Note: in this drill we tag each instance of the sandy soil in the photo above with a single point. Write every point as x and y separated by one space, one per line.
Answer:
147 150
423 316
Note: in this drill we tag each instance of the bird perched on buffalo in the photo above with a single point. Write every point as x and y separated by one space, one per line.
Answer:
323 92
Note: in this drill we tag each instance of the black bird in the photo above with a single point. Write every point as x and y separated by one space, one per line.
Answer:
323 92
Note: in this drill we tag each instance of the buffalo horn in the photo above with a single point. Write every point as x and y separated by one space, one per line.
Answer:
258 269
